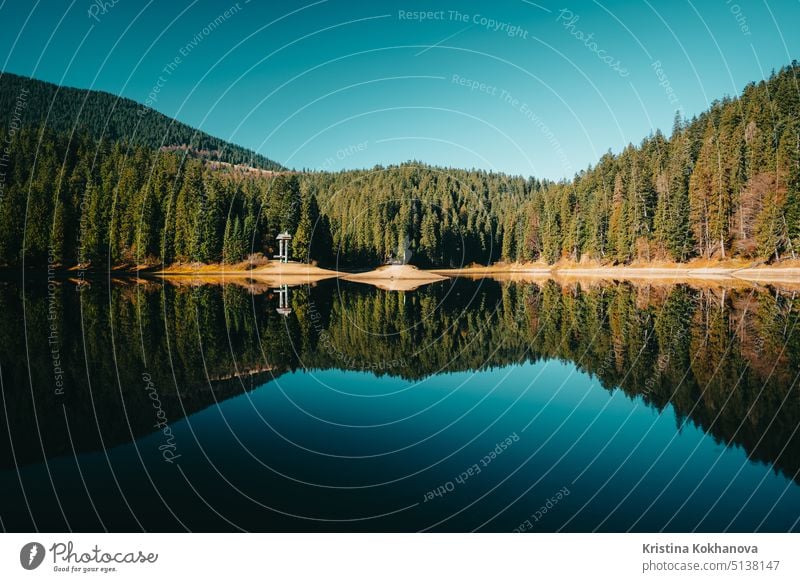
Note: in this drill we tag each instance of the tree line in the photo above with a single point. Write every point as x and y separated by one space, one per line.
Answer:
75 201
723 184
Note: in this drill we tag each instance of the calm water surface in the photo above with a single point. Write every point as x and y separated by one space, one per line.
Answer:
461 406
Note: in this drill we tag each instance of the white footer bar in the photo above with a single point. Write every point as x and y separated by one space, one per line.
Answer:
401 557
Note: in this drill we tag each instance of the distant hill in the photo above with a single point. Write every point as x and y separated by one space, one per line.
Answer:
113 118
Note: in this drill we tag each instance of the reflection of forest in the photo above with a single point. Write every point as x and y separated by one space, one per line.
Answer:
725 359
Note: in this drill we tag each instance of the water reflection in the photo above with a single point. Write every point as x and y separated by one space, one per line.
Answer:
285 381
283 300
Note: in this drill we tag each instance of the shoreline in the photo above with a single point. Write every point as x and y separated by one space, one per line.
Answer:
294 273
396 277
743 272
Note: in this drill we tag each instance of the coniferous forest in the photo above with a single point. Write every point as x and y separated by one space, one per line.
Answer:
101 184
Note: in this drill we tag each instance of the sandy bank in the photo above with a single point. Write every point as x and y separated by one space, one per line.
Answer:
396 277
408 277
497 268
783 273
761 275
273 273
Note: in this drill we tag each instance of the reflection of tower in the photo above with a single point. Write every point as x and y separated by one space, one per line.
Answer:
283 246
283 300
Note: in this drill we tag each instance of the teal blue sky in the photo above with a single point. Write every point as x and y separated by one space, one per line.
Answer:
533 88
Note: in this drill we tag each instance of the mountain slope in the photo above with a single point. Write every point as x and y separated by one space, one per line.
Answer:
724 185
103 115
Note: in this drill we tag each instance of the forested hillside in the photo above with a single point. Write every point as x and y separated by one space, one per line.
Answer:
725 184
80 201
113 118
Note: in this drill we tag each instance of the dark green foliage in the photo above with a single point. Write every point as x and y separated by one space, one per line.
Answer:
436 216
725 184
312 238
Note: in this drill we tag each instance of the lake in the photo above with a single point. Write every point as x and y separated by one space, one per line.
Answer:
464 405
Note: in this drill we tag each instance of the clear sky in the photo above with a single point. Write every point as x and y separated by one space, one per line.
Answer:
533 88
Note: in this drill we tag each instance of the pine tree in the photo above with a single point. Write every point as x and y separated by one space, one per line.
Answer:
57 233
234 246
704 186
91 241
509 240
38 221
12 208
187 204
301 242
210 224
771 233
672 227
620 231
